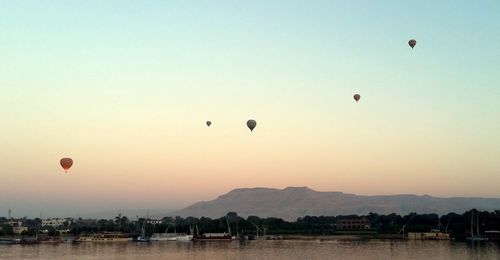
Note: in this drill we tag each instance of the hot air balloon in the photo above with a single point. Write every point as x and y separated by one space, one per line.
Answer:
209 123
66 163
357 97
251 124
412 43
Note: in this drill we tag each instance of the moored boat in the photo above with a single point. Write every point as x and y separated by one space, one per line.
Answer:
105 237
475 237
434 234
143 237
171 236
9 241
214 237
493 235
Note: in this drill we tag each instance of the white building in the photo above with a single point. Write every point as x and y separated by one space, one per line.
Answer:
19 229
17 226
154 221
54 222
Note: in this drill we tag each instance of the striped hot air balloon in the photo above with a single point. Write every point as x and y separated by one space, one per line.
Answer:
66 163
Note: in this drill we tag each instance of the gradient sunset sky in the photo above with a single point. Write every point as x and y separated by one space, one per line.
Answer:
125 88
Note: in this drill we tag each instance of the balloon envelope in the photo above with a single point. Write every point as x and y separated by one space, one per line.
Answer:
412 43
357 97
209 123
251 124
66 163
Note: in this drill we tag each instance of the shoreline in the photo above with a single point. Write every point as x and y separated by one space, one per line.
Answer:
344 237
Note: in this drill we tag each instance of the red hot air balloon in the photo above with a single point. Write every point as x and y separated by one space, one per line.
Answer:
66 163
357 97
412 43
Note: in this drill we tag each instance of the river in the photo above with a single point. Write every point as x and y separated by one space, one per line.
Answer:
262 249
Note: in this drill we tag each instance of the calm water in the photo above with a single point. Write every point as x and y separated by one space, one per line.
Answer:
284 249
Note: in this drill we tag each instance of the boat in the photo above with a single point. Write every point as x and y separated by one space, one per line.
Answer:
184 237
215 236
492 235
105 237
50 240
171 236
475 237
9 241
434 234
143 237
29 241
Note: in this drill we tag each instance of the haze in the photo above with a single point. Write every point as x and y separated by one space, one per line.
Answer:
125 87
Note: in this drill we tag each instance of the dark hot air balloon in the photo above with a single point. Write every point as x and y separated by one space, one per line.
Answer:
66 163
357 97
412 43
209 123
251 124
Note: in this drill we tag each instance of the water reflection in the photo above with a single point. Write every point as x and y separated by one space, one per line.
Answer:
278 249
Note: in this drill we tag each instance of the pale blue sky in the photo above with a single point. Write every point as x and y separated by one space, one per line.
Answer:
129 84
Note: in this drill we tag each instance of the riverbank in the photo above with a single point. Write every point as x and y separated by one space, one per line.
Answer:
350 236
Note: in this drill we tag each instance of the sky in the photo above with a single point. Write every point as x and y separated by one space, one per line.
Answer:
125 88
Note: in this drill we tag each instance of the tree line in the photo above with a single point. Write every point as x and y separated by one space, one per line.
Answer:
458 225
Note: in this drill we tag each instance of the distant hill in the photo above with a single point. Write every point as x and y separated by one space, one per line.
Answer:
293 202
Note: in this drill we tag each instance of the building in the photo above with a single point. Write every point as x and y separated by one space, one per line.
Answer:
154 221
353 224
15 222
434 234
19 229
17 226
54 222
492 235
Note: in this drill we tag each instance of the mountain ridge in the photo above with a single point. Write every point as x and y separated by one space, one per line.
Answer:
293 202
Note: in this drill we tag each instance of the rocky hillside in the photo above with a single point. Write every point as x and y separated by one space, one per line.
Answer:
293 202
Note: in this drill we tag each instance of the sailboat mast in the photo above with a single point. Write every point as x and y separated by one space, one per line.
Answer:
228 227
472 224
477 224
143 229
166 231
